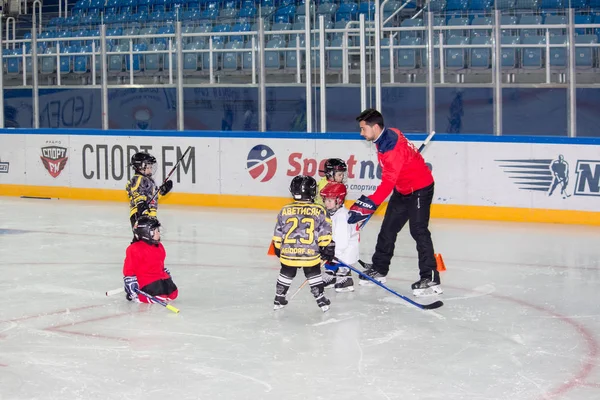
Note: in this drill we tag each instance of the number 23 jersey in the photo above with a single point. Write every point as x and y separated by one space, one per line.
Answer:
300 230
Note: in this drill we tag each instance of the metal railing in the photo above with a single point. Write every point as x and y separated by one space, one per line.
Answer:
368 46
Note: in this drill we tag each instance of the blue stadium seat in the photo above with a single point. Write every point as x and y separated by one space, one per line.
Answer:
437 5
82 62
368 9
456 58
558 55
230 60
584 56
411 23
154 62
138 59
480 58
272 59
509 55
14 65
385 60
391 6
247 56
335 58
579 3
48 61
508 20
556 20
581 19
240 27
527 4
327 10
217 56
316 54
480 21
457 21
481 5
530 20
457 5
407 58
436 54
532 58
190 60
553 4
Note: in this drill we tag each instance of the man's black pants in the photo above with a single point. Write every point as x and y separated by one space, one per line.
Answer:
414 208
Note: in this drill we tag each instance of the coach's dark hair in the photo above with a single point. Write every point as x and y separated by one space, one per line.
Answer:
371 117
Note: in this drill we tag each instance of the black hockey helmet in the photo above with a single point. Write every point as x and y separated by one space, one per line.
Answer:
139 162
303 188
144 229
334 165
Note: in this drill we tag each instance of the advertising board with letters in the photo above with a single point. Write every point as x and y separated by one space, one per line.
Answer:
472 173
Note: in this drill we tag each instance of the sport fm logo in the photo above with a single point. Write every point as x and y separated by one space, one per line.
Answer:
553 176
54 159
261 163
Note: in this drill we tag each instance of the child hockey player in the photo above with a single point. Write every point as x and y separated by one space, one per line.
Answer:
301 239
141 188
335 171
145 265
346 237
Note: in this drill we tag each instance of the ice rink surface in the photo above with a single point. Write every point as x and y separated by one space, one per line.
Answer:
521 318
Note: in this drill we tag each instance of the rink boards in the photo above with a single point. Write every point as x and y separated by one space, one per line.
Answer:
538 179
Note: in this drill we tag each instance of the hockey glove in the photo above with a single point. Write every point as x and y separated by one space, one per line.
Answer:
131 288
165 187
277 251
330 266
361 210
142 207
328 252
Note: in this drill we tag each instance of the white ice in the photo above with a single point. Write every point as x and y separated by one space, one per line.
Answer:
520 321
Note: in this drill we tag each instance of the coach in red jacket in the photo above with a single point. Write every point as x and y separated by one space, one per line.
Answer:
406 176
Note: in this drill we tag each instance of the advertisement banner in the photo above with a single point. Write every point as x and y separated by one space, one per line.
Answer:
486 173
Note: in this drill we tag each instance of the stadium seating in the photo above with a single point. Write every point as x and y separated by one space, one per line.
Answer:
141 20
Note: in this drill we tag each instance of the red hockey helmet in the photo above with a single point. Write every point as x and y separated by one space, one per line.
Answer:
334 190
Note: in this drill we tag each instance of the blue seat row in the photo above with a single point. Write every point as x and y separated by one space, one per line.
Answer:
284 55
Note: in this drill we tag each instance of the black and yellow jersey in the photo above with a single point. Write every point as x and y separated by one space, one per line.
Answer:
140 189
301 229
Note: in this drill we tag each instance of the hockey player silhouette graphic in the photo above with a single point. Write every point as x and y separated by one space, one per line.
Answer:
560 171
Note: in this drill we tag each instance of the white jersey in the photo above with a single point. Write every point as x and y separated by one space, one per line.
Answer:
346 237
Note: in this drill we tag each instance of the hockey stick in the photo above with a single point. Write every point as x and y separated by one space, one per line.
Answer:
431 306
115 291
156 300
299 289
429 137
170 173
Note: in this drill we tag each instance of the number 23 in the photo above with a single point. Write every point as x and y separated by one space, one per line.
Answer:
310 229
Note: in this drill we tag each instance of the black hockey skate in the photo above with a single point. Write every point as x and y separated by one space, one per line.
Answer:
427 287
372 272
279 302
344 281
329 279
323 302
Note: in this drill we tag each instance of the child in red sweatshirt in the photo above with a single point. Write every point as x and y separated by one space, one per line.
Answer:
144 265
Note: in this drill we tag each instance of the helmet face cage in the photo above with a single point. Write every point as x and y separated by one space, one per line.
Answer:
335 167
145 228
140 161
303 188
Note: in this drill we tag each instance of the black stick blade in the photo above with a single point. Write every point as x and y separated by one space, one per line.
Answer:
433 305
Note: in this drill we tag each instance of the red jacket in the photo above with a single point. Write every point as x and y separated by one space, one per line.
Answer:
146 262
402 166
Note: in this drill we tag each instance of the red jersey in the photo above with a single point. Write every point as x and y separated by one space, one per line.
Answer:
402 166
146 262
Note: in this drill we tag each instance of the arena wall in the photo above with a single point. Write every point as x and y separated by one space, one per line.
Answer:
477 177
